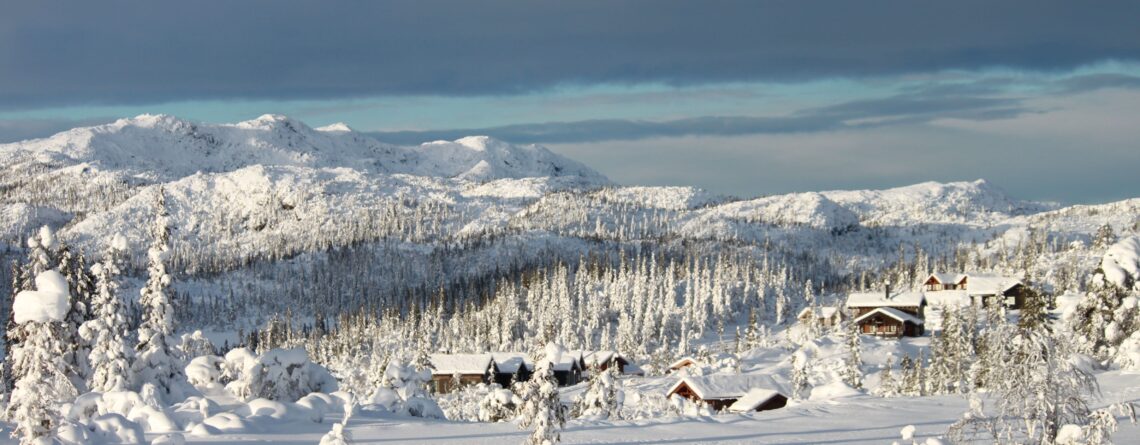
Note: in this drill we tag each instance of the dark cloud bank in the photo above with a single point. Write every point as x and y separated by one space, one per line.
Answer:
121 52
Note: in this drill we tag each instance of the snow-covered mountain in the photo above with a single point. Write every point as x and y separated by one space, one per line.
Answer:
164 148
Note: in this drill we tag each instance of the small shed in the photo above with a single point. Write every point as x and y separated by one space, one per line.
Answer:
567 369
511 367
723 390
759 399
827 316
683 363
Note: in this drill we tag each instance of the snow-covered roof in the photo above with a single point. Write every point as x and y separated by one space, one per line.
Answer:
893 313
753 399
725 386
683 362
990 284
449 364
947 278
879 299
595 358
509 362
565 362
824 312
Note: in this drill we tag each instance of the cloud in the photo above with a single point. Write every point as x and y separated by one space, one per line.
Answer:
917 107
55 54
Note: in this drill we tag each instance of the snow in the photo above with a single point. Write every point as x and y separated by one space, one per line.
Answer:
49 302
1121 263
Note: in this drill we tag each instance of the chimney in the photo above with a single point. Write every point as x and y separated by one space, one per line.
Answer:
888 293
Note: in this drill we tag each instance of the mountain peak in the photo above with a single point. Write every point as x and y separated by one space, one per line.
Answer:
339 127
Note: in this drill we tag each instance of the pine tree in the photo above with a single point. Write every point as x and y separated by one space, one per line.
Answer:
107 332
853 365
157 361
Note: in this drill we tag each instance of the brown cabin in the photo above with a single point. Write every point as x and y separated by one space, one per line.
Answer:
451 371
890 322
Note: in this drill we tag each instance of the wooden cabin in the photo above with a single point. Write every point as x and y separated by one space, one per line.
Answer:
944 281
981 289
721 392
827 316
450 371
890 322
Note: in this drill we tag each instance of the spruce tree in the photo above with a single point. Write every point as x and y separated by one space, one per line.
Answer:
157 361
107 331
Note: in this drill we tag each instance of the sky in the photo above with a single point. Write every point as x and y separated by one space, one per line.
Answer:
746 98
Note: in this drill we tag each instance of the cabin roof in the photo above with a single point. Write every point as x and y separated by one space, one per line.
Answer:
947 278
893 313
684 361
510 362
879 299
595 358
753 399
724 386
990 284
448 364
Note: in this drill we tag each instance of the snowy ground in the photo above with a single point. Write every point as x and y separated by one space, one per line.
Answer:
854 420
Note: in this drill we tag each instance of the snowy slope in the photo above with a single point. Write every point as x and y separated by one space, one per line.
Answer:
977 202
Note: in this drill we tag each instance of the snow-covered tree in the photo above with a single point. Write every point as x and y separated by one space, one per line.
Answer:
888 386
498 405
157 359
1037 390
801 375
602 398
43 381
542 407
853 363
107 331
